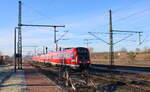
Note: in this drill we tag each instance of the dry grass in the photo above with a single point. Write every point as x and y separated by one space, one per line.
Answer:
126 59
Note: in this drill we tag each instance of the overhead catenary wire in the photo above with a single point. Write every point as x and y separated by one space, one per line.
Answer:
39 13
145 26
104 33
136 19
98 38
48 17
123 39
133 3
122 19
61 37
132 14
144 40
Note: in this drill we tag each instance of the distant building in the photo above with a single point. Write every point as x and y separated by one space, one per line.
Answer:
3 58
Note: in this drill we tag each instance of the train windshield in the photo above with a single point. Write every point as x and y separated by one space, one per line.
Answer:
83 53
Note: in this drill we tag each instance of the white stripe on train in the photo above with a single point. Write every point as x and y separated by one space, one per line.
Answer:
60 64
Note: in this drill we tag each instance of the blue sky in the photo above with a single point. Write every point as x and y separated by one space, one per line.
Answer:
80 17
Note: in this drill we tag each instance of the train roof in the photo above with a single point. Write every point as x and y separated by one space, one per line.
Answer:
64 50
73 48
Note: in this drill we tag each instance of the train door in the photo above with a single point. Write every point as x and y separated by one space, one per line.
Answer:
62 59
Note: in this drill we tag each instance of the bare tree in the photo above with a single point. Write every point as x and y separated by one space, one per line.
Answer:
131 56
123 50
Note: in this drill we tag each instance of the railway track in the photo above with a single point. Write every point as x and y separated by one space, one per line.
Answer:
75 85
129 69
102 81
116 81
135 80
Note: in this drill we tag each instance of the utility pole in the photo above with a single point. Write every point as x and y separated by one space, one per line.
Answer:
111 43
35 51
111 30
43 49
111 53
19 54
46 49
55 41
87 42
15 60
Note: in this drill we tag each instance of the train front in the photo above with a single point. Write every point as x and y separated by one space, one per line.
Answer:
83 57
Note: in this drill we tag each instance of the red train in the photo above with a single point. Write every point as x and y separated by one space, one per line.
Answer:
75 58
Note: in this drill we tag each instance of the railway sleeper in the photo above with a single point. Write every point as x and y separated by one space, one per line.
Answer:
110 87
85 89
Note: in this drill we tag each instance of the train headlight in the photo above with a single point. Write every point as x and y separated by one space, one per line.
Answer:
73 60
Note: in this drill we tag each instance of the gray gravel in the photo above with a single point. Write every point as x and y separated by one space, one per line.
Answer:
5 72
11 81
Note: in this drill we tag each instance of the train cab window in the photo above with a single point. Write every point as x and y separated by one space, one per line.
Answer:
83 53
